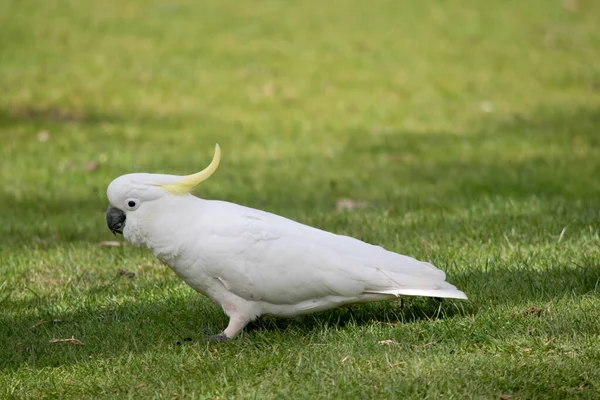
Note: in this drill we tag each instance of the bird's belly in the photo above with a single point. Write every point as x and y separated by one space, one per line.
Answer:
197 281
193 274
320 304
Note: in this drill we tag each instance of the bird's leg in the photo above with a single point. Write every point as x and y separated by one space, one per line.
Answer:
240 313
236 324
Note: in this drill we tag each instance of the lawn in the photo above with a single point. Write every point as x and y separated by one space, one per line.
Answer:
467 133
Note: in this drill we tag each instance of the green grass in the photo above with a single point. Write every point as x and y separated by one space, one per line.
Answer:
471 130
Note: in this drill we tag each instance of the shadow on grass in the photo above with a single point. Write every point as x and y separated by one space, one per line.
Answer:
19 116
136 326
456 170
565 185
503 284
68 220
52 221
50 117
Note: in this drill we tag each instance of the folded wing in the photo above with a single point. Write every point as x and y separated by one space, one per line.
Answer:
281 261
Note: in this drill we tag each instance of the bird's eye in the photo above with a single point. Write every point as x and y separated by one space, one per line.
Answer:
131 204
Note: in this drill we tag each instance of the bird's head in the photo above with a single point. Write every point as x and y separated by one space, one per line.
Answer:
133 194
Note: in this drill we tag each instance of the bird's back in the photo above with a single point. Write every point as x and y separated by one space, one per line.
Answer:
272 258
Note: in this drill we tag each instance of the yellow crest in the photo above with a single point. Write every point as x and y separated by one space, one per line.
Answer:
187 183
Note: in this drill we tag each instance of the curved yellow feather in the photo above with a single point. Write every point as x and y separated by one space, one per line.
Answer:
187 183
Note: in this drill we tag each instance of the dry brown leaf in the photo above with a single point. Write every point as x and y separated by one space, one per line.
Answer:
505 396
533 311
546 342
349 204
389 342
91 166
41 322
268 89
68 340
111 243
39 240
571 5
124 272
43 136
486 106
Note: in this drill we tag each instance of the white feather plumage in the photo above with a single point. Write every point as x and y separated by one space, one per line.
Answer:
253 262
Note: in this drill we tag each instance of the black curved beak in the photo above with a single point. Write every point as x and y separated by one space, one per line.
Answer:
115 219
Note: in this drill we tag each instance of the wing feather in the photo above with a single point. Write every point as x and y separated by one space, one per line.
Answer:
281 261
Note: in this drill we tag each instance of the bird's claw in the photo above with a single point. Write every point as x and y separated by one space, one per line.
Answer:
221 337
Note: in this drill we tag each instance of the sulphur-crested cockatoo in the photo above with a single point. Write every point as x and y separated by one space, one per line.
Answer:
252 262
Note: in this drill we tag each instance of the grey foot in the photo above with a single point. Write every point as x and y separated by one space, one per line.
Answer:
221 337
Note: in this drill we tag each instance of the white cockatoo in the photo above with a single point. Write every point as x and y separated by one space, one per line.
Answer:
255 263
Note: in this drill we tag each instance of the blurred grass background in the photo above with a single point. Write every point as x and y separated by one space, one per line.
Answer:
469 130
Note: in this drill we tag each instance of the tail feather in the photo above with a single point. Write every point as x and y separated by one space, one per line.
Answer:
445 293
